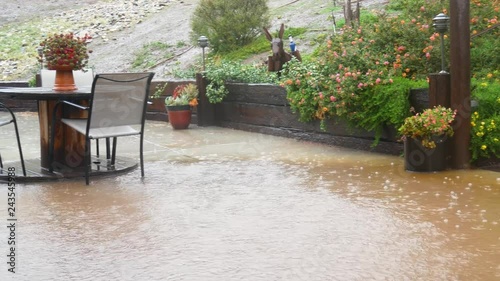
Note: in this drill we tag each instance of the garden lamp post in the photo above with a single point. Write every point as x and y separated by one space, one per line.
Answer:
40 55
440 23
203 43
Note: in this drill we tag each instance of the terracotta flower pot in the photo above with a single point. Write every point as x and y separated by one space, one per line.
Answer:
179 116
64 78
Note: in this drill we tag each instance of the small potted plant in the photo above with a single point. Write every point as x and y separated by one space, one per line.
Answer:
179 105
425 135
64 53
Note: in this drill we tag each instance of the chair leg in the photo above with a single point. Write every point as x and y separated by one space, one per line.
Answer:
108 151
141 146
113 154
51 147
20 149
87 160
97 147
1 163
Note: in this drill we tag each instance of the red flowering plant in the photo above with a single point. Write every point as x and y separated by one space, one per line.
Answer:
65 50
185 94
426 126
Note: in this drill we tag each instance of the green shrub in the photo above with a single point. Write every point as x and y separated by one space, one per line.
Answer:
485 135
385 105
486 91
229 24
485 119
218 72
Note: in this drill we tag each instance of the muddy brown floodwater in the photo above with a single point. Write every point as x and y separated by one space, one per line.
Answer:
220 204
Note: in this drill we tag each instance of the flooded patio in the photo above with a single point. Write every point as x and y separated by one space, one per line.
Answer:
221 204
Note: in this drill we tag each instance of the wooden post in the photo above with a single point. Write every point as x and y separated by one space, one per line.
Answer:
206 110
439 89
460 81
347 12
439 94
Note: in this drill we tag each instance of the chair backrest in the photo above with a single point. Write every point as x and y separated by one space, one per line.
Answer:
119 99
83 78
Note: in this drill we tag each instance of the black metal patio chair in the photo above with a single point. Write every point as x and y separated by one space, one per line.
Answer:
117 108
11 119
83 79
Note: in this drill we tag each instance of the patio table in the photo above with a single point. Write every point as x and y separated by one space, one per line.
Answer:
69 145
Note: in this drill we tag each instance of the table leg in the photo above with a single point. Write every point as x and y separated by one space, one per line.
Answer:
69 145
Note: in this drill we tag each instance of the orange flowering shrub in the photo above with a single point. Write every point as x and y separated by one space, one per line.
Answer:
363 74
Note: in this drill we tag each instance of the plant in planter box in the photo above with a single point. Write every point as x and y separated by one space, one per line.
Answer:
425 136
426 126
179 105
185 94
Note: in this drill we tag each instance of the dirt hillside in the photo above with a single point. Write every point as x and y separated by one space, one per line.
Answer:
138 22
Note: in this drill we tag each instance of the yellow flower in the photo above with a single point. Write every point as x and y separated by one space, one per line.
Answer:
473 124
495 140
479 134
489 75
483 147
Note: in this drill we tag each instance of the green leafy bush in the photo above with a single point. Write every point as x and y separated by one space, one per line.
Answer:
229 24
485 120
385 105
218 72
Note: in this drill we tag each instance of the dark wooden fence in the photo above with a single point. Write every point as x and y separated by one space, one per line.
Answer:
261 108
264 108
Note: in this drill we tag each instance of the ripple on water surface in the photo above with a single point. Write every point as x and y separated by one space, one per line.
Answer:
233 205
232 219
